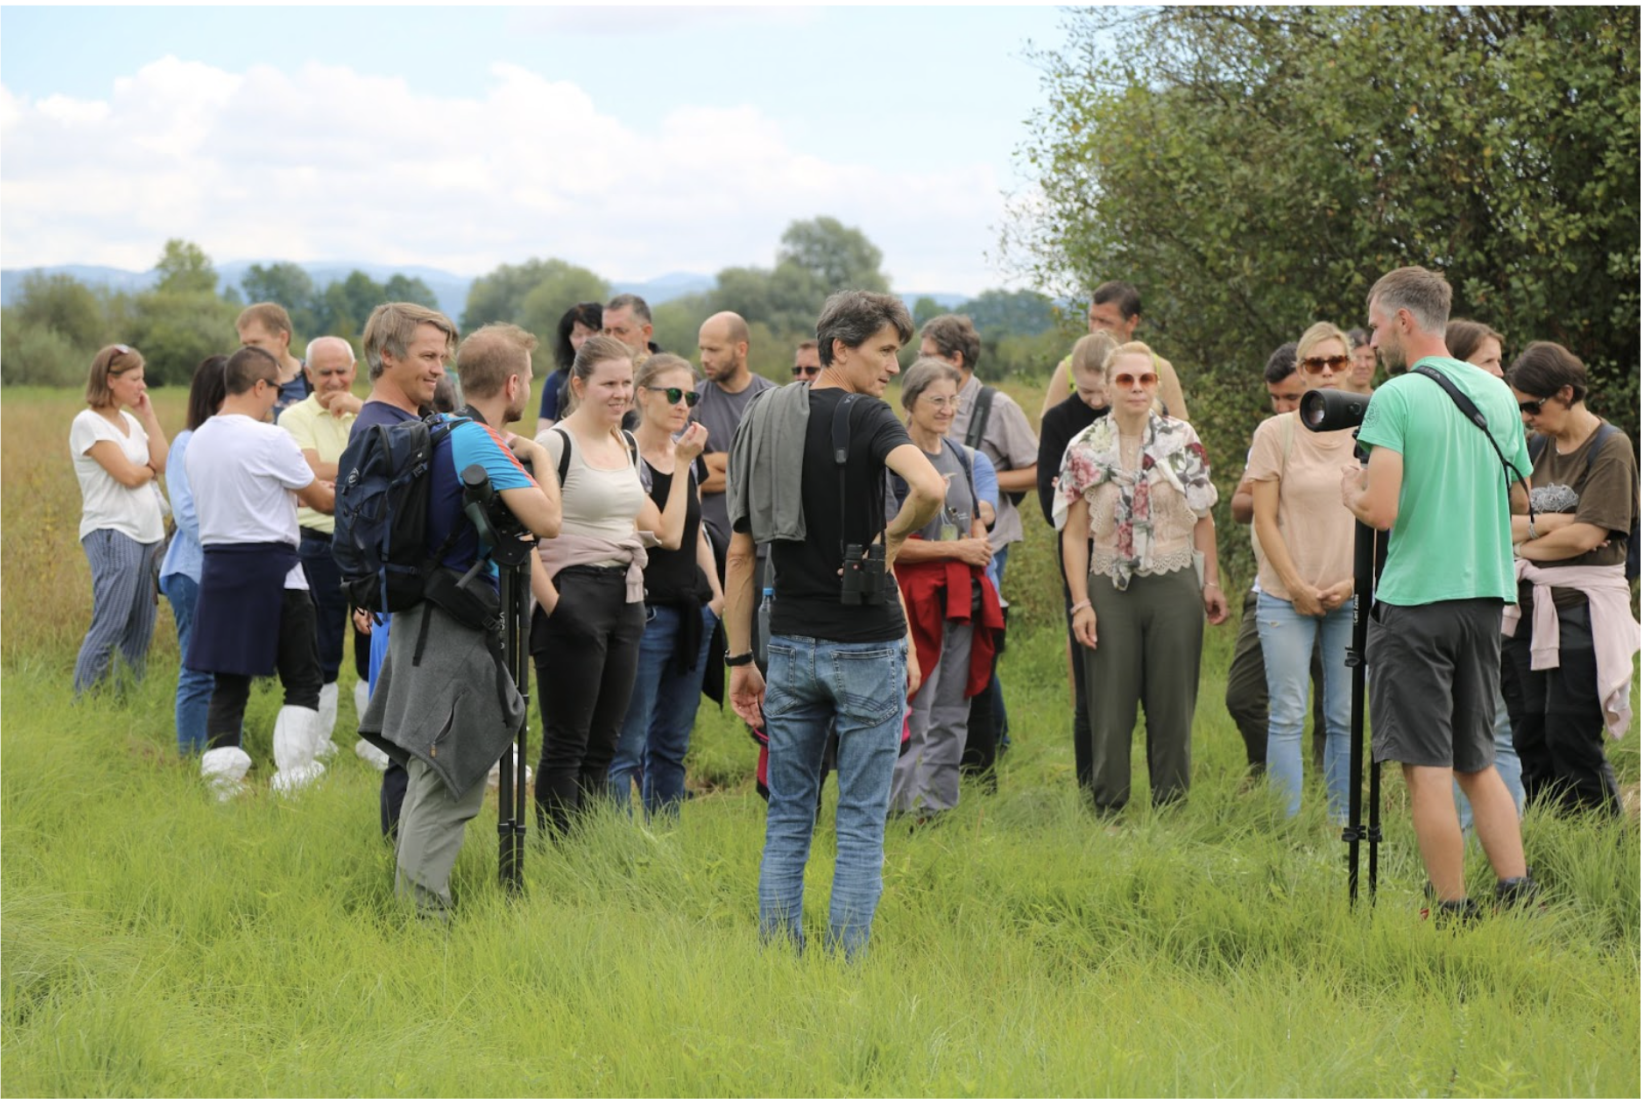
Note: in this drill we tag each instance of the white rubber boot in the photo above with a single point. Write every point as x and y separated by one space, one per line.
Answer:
362 696
223 769
324 747
371 754
294 744
494 777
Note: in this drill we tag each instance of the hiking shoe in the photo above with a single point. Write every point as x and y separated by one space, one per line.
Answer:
1451 914
1519 893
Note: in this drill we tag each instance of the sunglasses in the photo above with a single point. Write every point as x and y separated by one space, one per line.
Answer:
1147 380
673 394
807 371
1532 408
1316 365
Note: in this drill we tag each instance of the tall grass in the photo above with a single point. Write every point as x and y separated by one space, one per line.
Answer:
156 942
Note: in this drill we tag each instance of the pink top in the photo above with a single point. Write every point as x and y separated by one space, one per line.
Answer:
1616 634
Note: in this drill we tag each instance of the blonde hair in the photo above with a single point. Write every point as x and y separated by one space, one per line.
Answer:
1091 353
393 325
1317 334
489 356
1131 347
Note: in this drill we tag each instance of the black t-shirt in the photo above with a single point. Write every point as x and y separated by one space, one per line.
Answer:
673 575
806 596
1060 424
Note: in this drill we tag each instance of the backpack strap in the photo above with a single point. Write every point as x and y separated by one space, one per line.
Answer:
964 454
979 422
565 455
1472 412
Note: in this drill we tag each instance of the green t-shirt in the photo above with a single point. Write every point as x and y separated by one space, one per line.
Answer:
1451 539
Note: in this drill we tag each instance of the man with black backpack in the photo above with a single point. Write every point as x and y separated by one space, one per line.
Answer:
1437 482
446 706
989 421
406 348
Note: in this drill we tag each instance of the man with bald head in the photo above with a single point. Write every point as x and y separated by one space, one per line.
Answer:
723 396
320 423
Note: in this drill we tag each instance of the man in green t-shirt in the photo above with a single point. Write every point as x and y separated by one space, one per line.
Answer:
1435 481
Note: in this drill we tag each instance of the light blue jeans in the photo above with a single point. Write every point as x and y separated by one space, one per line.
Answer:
1288 639
193 688
1504 759
651 746
860 687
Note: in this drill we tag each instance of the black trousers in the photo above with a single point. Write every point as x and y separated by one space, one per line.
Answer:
586 654
1559 727
297 661
331 610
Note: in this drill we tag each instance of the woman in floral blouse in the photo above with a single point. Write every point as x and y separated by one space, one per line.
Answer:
1135 484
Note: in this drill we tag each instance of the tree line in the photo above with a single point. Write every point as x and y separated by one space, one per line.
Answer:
58 322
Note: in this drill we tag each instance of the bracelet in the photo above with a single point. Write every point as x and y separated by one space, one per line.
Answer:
1211 584
1083 605
740 660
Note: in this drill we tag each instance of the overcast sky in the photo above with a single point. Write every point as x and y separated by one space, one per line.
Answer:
634 141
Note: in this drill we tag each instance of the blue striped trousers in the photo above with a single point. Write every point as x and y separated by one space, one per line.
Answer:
123 604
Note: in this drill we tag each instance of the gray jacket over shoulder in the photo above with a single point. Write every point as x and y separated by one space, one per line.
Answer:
443 707
764 465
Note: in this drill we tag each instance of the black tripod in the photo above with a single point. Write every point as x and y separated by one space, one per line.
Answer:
503 540
1371 548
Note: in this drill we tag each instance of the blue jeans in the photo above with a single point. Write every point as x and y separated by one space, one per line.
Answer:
1288 639
651 746
860 686
1504 759
193 688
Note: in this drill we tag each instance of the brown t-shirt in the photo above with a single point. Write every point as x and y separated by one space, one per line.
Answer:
1605 494
1318 531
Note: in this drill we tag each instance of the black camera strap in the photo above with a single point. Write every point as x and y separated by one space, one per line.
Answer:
840 438
1472 412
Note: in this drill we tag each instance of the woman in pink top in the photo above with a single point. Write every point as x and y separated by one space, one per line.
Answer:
1306 574
1585 500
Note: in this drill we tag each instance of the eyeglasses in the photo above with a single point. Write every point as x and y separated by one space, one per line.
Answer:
1532 408
1316 365
936 402
1148 380
807 371
673 394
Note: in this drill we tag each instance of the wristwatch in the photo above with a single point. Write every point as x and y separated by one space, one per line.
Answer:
740 660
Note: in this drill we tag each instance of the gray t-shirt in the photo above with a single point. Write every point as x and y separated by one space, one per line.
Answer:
721 412
1009 443
954 520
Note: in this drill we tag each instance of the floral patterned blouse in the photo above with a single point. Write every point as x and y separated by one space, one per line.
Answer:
1142 520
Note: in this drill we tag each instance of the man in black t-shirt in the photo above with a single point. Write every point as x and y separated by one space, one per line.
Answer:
839 652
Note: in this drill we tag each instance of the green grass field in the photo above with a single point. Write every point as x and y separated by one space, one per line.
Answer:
155 942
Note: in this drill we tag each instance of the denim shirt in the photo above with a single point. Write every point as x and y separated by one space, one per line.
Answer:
184 555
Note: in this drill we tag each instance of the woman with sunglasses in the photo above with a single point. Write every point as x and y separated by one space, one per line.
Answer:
1305 574
1134 500
591 613
683 596
1571 551
118 459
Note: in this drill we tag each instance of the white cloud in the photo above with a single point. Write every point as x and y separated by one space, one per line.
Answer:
324 162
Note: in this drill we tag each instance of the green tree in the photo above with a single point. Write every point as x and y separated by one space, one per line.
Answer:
1253 170
176 329
65 305
502 294
925 308
840 256
185 268
404 288
288 285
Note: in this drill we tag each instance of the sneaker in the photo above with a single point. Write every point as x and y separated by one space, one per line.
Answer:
1452 914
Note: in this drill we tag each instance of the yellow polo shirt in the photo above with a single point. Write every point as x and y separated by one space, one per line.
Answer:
317 430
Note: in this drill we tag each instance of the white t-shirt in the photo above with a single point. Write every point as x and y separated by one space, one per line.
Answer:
243 473
135 513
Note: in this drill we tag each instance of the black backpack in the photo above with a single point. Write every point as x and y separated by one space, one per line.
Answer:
382 513
1631 561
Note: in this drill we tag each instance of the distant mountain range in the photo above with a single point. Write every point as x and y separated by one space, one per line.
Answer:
452 291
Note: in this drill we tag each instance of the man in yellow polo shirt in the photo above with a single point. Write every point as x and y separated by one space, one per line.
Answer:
320 423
